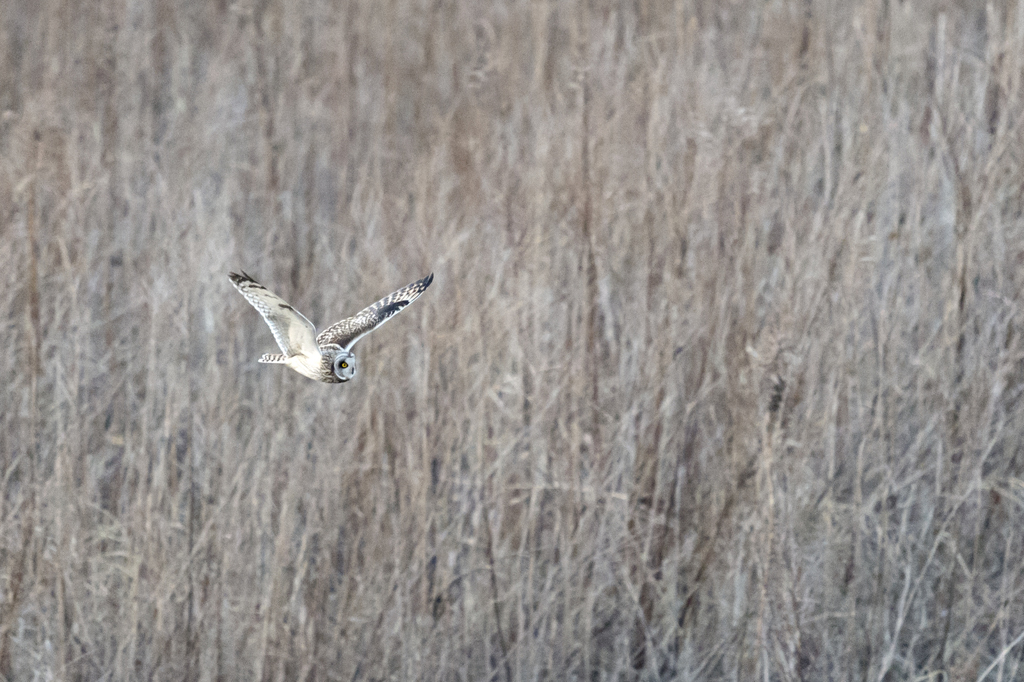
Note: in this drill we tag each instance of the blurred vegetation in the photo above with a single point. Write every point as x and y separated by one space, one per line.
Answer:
720 376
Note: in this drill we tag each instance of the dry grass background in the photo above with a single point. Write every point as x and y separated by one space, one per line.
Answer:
720 376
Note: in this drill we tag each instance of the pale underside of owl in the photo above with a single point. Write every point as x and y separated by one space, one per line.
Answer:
326 356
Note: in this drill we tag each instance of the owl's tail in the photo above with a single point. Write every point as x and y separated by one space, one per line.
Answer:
274 358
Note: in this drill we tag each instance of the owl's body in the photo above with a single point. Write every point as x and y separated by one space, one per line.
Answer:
326 357
321 369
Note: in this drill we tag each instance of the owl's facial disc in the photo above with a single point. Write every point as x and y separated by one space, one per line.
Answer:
344 365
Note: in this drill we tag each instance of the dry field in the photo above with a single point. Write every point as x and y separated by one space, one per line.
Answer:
720 377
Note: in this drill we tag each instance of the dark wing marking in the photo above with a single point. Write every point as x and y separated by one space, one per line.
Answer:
293 332
351 329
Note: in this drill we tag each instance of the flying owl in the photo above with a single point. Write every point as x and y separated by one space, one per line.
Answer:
326 356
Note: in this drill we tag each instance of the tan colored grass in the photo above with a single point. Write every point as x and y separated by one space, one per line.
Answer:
719 378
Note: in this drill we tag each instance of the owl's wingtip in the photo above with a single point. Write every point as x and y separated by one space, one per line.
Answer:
237 279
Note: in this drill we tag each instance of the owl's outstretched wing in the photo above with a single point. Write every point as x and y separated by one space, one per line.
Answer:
293 332
351 329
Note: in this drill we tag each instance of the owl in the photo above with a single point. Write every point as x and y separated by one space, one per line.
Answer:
326 356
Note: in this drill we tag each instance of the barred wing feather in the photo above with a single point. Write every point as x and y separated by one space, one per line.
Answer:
350 330
293 332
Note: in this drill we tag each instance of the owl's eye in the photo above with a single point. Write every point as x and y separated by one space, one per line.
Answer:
344 365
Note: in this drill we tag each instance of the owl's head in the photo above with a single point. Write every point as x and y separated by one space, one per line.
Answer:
344 365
